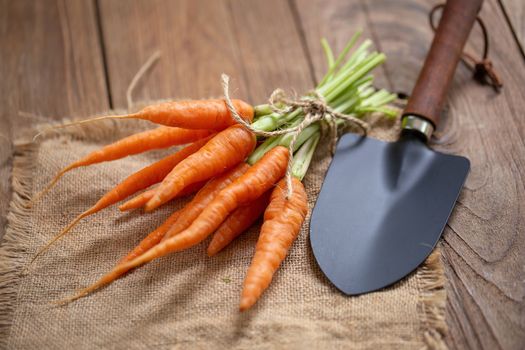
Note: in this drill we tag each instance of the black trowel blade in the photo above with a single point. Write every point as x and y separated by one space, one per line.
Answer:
381 210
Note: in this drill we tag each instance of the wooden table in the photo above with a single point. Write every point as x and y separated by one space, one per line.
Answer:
75 58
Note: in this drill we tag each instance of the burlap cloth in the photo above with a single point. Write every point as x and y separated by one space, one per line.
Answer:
184 300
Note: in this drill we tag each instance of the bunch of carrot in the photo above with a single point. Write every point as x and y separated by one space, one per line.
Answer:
235 182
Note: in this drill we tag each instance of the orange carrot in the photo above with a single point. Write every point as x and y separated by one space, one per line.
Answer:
225 150
248 187
282 222
190 114
152 239
161 137
239 221
204 197
143 178
141 199
196 114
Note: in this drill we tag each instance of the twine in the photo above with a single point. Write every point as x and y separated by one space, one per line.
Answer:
315 109
483 69
152 60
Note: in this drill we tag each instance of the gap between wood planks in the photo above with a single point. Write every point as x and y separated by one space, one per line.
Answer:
102 44
506 7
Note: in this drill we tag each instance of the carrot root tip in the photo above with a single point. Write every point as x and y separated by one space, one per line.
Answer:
57 237
86 121
150 206
46 189
246 303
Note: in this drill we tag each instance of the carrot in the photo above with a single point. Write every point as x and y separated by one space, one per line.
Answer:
190 114
250 186
245 189
282 222
143 178
204 197
225 150
141 199
152 239
161 137
240 220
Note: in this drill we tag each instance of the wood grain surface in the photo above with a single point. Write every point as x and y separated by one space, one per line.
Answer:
78 57
196 47
515 13
51 67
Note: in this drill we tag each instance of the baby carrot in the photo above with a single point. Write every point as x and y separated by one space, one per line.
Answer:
141 199
161 137
204 197
152 239
190 114
282 222
250 186
196 114
239 221
225 150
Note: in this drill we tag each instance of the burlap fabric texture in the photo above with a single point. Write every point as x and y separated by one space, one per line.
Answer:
185 300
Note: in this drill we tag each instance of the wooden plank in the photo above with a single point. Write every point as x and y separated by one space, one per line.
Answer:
337 22
484 245
5 129
199 40
271 48
51 66
515 12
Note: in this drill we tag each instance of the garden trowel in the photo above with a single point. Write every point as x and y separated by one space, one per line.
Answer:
383 206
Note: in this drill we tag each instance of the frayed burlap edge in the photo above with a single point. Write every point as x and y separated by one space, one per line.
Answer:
432 300
12 257
430 276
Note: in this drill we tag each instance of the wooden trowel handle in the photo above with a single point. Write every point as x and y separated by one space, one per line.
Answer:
429 94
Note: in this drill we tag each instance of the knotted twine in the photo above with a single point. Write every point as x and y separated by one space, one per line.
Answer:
315 109
482 68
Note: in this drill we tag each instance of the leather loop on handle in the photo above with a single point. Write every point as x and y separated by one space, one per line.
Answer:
429 94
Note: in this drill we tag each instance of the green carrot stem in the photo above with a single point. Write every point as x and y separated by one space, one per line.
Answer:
263 109
284 140
341 80
273 121
263 148
379 98
359 54
303 157
347 88
344 80
329 60
269 122
347 49
356 75
310 130
334 65
357 58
